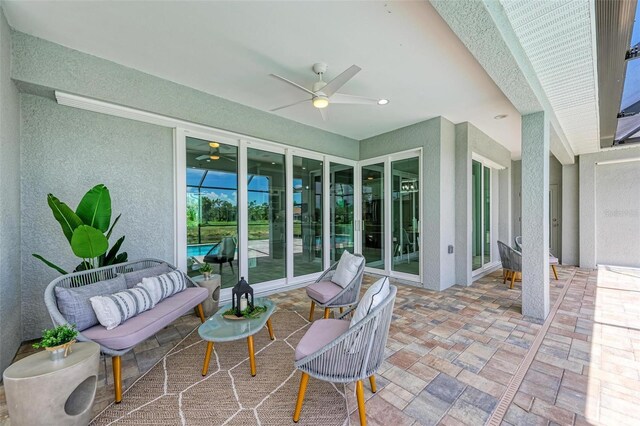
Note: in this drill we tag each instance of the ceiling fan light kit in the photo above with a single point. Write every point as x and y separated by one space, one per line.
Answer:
325 93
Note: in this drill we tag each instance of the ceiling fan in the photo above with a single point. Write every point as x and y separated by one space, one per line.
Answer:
325 93
214 153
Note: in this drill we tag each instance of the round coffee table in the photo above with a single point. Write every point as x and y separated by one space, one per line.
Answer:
219 329
56 392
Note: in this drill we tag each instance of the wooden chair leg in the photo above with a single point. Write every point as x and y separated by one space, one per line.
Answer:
360 396
506 276
313 307
117 377
200 312
513 279
555 271
303 388
372 381
327 311
342 310
207 358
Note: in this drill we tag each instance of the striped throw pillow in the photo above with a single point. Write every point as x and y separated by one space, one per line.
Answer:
165 285
114 309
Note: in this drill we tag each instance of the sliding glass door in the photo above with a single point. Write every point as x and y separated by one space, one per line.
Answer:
307 216
342 205
481 215
391 215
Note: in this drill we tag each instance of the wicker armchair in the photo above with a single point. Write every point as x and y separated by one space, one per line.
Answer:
511 262
352 356
553 261
91 276
328 295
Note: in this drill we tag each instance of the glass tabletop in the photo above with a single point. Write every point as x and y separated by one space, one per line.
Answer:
219 329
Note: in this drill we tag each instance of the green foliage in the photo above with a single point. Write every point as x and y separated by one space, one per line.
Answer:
57 336
85 230
205 268
248 312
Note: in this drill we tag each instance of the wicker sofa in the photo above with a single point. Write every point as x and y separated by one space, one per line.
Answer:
120 340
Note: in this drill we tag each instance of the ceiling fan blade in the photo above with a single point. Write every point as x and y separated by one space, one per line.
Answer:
340 98
293 84
323 113
334 85
287 106
202 157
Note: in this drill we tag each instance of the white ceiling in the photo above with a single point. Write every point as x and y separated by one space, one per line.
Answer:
406 51
559 39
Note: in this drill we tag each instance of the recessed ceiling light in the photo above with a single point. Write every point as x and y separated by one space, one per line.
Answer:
273 162
383 101
208 161
370 178
500 116
304 168
214 157
214 144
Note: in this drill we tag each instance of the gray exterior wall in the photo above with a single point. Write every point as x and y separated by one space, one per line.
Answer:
40 65
437 138
570 218
10 295
66 151
589 209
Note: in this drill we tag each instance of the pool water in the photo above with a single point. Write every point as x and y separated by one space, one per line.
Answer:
199 250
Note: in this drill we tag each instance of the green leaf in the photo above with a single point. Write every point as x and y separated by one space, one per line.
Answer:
111 255
121 258
113 226
49 264
83 266
88 242
67 219
95 208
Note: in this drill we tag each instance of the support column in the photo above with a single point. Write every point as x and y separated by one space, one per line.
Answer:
535 215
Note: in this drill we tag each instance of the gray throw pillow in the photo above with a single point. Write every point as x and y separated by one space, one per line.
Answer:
74 303
135 277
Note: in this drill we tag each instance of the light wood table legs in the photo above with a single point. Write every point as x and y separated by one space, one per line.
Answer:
252 356
303 388
270 328
207 358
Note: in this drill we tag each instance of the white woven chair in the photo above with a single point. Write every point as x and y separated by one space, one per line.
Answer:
328 295
354 354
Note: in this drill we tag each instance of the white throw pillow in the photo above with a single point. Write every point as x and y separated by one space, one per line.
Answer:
112 310
347 269
165 285
372 298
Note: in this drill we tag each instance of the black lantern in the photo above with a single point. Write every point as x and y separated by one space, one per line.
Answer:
239 291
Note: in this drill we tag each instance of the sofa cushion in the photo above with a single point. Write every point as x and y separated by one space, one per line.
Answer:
114 309
134 277
74 304
164 285
321 333
145 325
347 269
323 291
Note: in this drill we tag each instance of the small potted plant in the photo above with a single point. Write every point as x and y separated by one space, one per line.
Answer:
58 341
206 271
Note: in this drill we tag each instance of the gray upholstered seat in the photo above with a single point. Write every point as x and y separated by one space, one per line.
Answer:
553 261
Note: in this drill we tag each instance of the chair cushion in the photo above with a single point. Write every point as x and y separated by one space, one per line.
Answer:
134 277
372 298
321 333
145 325
553 260
323 291
347 269
74 304
164 285
114 309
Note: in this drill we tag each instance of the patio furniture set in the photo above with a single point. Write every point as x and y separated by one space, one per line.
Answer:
511 259
347 348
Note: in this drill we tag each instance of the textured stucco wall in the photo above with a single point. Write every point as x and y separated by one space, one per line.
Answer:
10 295
587 202
447 204
516 198
504 206
535 220
39 63
570 217
463 209
66 151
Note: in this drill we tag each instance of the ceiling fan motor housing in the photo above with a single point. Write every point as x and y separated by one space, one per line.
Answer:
320 68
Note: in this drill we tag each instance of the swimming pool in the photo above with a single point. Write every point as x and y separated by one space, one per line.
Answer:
199 250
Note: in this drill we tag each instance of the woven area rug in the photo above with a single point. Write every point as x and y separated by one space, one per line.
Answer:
173 392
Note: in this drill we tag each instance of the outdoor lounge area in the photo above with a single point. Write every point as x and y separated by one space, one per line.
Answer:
320 213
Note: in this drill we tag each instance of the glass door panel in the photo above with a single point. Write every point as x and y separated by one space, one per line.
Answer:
373 215
476 214
266 214
405 214
342 210
307 216
212 210
487 215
